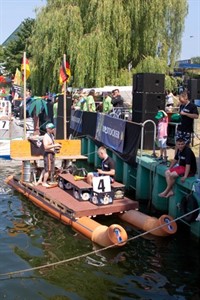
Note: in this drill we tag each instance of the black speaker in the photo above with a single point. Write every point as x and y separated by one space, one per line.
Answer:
60 118
146 105
192 88
149 83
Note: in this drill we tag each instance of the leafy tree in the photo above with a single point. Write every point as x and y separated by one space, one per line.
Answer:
1 54
195 60
102 38
13 52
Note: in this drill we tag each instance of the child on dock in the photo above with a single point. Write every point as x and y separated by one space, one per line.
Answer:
162 118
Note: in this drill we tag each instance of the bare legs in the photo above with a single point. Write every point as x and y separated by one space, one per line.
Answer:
46 176
43 179
170 179
90 178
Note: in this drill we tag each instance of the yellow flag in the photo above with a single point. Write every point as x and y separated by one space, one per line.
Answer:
18 77
28 72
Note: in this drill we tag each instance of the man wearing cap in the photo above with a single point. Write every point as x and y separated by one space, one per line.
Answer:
49 154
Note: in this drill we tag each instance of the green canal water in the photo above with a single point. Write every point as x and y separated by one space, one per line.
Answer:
145 268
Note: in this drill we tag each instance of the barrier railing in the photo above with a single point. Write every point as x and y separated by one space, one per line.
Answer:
142 137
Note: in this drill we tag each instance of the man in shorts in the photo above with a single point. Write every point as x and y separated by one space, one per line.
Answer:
184 165
188 112
107 167
49 154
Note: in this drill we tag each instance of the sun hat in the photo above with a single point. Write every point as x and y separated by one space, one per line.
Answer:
176 118
50 125
159 115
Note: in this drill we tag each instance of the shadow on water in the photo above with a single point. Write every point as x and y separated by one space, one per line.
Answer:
145 268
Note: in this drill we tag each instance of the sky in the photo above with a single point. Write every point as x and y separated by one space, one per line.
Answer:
13 12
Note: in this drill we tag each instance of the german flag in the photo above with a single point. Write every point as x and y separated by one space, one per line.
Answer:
65 72
28 72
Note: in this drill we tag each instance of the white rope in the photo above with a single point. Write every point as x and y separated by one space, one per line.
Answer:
9 274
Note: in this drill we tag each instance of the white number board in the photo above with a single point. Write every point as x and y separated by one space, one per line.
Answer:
4 124
101 184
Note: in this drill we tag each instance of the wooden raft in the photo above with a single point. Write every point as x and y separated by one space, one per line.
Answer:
65 202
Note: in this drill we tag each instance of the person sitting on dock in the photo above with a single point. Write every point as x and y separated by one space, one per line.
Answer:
184 165
50 149
108 167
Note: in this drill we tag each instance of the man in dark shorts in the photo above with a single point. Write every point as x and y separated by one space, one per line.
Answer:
188 112
107 166
49 154
184 165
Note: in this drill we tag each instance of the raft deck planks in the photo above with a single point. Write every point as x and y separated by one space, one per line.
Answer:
76 207
86 208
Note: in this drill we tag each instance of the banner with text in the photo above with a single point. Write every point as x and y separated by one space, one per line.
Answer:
110 131
76 120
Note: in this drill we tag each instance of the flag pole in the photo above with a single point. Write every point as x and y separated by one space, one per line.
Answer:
24 62
65 103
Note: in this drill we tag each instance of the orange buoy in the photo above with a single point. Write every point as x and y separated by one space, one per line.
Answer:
161 227
112 235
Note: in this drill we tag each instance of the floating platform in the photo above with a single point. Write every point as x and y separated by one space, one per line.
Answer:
76 203
63 206
65 202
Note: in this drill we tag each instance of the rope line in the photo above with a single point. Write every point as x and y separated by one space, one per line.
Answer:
9 274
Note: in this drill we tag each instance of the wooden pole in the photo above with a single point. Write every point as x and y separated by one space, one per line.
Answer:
24 62
65 104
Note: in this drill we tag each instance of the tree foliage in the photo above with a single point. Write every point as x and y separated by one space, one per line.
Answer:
101 40
13 52
195 60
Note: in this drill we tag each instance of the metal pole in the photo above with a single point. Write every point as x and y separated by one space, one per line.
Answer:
65 104
24 63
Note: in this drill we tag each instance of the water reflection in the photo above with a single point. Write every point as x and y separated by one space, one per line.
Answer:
146 268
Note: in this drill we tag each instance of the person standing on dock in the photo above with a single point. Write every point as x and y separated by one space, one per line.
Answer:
50 148
184 165
162 118
107 167
188 112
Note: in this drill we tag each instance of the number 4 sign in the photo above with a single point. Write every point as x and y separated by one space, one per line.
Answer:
101 184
